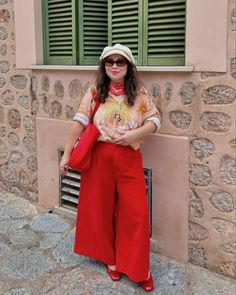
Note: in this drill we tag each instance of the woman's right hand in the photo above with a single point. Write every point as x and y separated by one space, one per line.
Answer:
63 165
76 130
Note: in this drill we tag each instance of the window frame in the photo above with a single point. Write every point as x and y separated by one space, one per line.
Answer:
78 55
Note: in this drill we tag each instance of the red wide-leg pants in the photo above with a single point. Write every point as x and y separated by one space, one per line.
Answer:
112 222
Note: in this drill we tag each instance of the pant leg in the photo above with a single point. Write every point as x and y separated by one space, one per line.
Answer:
96 210
132 218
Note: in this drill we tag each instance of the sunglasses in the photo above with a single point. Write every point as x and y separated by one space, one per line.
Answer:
119 62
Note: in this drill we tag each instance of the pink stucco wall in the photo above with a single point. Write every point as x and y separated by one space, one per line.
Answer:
207 34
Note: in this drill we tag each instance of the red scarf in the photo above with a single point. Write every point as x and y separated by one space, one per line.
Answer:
116 88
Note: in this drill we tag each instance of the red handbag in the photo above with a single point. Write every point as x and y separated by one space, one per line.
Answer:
81 155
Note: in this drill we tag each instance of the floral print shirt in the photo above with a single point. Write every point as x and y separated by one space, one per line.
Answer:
116 114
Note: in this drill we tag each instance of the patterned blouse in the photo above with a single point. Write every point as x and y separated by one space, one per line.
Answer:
115 114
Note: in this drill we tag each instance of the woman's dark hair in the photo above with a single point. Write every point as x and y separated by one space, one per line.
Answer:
132 82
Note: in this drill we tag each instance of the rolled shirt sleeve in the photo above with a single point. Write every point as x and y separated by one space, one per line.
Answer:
81 118
155 121
152 114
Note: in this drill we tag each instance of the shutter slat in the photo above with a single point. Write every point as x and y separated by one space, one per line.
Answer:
125 19
166 26
96 4
57 1
172 20
60 49
93 9
58 34
98 28
92 35
161 38
164 2
93 25
96 46
61 19
164 50
61 26
125 40
61 54
132 26
58 6
131 35
122 3
54 43
169 44
89 19
166 32
62 16
59 10
128 8
160 9
60 37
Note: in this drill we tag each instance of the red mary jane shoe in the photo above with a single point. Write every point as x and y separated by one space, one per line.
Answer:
114 274
147 285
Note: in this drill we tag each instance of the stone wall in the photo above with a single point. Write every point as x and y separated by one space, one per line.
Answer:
198 105
212 199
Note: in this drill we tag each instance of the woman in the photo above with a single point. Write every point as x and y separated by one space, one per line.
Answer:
113 223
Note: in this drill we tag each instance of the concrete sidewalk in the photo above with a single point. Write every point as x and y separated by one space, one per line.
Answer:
36 257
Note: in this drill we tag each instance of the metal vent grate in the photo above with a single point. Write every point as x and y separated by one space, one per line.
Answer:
70 188
148 178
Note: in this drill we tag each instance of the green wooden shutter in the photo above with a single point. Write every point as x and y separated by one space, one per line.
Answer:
59 31
125 25
93 34
165 32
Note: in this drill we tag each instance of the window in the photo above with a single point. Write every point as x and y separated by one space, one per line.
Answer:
76 31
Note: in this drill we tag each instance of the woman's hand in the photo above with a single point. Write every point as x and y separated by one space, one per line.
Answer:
75 132
131 136
63 165
127 137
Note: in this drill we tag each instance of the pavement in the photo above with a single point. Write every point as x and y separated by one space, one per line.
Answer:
36 257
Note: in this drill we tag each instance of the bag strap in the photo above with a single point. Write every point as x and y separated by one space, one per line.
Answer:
96 99
94 111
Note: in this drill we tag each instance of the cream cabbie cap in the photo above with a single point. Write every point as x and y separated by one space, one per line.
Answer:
118 49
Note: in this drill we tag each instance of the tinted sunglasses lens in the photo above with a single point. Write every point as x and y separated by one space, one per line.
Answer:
109 62
121 62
